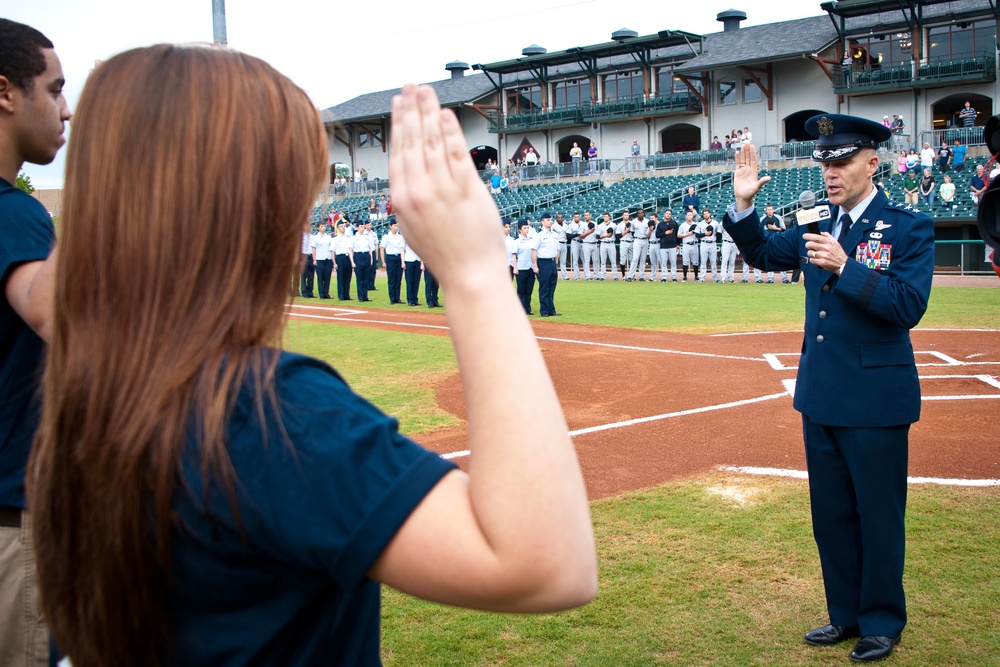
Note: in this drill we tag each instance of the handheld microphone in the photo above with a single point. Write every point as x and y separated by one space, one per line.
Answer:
810 214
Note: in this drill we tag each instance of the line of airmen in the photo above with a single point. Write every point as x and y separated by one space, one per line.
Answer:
357 252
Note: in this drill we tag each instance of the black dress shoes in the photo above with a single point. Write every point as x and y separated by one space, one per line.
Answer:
829 635
873 649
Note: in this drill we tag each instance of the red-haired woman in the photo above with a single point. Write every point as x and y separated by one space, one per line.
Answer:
195 501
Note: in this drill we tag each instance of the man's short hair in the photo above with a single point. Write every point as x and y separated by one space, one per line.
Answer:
21 57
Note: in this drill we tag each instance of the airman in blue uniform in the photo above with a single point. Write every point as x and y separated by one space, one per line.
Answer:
867 280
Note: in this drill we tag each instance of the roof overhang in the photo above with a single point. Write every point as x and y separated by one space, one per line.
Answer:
638 46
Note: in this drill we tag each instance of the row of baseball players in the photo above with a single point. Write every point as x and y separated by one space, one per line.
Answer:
606 250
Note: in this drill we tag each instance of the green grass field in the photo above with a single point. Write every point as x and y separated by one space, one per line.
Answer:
716 570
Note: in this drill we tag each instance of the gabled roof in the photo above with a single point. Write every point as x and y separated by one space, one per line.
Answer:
451 92
763 43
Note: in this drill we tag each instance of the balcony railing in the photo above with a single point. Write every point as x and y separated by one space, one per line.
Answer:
535 119
967 68
587 113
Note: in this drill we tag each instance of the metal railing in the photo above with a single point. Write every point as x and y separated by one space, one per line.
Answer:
938 69
970 136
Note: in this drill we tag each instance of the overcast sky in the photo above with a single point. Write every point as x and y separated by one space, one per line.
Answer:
337 51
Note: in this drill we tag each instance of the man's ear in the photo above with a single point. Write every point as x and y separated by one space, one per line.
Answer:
7 94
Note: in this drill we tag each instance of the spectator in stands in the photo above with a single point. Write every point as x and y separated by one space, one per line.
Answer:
944 156
912 160
927 156
592 167
911 186
845 68
388 205
967 115
576 157
958 154
994 172
927 188
886 123
897 127
382 208
495 183
947 192
691 201
747 137
729 143
716 144
636 151
253 499
901 164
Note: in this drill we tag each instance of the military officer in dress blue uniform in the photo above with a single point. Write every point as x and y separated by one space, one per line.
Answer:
867 279
547 251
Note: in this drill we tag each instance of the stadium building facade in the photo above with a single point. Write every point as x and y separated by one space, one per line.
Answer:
673 91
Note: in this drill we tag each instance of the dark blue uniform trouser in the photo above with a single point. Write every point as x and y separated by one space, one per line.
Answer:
308 271
344 270
394 273
324 268
546 285
362 263
372 268
430 289
857 490
525 279
413 283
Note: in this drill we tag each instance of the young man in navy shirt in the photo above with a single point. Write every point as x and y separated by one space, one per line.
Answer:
33 112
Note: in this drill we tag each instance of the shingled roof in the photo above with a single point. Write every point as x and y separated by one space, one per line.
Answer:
764 43
451 92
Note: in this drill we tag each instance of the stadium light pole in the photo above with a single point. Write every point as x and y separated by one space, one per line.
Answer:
219 21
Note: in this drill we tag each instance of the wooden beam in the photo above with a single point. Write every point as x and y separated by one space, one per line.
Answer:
760 84
699 95
822 62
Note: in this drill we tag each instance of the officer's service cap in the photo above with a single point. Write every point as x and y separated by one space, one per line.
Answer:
505 220
839 136
545 215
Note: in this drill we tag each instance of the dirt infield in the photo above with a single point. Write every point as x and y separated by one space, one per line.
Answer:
647 407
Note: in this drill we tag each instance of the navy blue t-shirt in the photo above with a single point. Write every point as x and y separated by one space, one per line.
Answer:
26 235
289 586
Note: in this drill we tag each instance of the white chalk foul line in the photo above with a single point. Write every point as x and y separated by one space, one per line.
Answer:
802 474
350 319
633 348
643 420
648 349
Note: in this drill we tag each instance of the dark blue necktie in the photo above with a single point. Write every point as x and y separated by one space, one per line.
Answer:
845 226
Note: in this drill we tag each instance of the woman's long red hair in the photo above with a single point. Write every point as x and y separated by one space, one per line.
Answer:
190 174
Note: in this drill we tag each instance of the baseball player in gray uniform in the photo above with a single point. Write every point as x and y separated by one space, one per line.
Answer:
559 227
640 248
689 244
705 232
575 247
606 235
589 241
624 232
729 252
